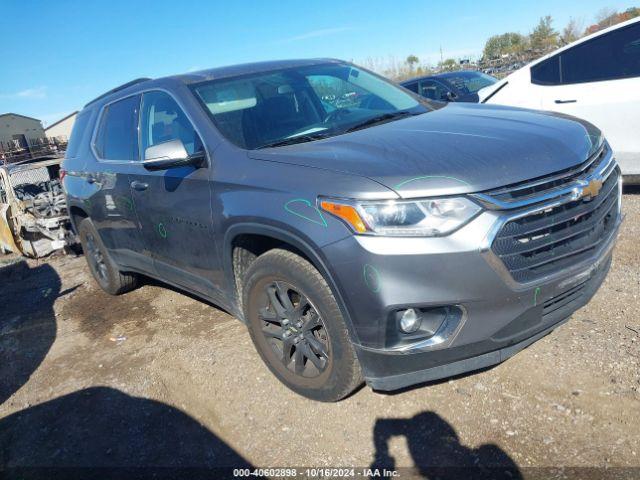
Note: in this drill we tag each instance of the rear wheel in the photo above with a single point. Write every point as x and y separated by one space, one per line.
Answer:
103 269
297 327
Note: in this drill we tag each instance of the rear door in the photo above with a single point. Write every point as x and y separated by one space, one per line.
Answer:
599 80
174 205
115 146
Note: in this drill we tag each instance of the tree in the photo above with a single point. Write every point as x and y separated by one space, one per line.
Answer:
629 13
506 43
572 32
448 65
411 59
543 36
606 17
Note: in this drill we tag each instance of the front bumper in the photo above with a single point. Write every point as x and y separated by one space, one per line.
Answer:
377 276
385 372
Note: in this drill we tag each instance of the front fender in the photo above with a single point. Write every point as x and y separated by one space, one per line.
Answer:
284 233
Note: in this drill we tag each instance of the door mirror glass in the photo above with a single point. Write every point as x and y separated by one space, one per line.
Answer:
170 154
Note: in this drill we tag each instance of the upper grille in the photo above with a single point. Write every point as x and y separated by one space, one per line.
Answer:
548 241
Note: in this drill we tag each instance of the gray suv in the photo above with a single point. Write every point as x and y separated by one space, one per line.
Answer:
361 232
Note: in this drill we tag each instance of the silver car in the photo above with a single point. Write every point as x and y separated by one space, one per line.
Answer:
361 232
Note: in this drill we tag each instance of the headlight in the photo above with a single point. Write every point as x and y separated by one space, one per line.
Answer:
423 218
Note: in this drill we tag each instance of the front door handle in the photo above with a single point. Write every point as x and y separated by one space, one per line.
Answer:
566 101
139 186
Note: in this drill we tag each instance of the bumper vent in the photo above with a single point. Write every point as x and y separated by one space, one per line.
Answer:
563 300
558 237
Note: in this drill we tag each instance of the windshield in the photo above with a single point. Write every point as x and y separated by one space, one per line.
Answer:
470 82
302 104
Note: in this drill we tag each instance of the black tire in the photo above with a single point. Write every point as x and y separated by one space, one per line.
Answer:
102 267
307 347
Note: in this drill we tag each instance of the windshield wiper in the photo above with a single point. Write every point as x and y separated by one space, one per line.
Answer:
297 139
381 119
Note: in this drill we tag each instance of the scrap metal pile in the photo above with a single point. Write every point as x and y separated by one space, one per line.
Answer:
33 213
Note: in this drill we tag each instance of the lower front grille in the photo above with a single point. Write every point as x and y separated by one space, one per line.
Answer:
556 303
551 240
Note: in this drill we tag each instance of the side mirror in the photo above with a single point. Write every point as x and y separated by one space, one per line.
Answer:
450 97
171 154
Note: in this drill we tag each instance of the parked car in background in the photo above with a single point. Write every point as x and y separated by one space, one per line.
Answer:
360 231
33 212
596 78
460 86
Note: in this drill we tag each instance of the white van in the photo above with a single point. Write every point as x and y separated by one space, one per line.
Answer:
596 78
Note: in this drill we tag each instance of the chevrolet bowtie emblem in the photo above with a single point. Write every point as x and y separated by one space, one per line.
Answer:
590 190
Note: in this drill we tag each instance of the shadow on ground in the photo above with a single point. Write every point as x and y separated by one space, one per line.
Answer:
631 189
104 433
27 321
437 452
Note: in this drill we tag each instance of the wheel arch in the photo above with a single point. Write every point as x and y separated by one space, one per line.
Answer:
76 215
280 238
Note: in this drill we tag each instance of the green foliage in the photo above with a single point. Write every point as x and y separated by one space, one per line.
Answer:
448 65
506 43
544 36
411 59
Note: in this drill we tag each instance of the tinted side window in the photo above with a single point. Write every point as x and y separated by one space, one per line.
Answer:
117 137
77 133
412 86
433 90
547 72
163 120
608 57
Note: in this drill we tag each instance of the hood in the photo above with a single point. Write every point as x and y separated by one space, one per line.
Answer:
460 148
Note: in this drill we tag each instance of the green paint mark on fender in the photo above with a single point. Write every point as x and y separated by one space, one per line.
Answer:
402 184
162 231
302 204
371 277
536 292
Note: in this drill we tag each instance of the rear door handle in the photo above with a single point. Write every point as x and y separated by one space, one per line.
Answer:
139 186
566 101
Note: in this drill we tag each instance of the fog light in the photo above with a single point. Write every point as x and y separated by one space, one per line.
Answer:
409 320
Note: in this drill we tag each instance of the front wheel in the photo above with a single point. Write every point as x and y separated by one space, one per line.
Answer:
297 327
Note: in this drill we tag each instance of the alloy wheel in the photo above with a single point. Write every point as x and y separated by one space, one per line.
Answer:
295 330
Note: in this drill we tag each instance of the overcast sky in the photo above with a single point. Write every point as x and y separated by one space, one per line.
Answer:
57 55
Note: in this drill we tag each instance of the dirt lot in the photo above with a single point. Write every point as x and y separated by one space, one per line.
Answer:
157 378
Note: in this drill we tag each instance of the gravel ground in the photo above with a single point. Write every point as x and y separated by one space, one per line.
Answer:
158 378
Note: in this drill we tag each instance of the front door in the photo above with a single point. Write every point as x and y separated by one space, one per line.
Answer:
174 205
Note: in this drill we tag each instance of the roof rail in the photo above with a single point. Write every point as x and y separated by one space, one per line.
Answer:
117 89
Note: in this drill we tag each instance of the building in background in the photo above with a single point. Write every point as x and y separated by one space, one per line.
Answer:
23 137
61 130
19 128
